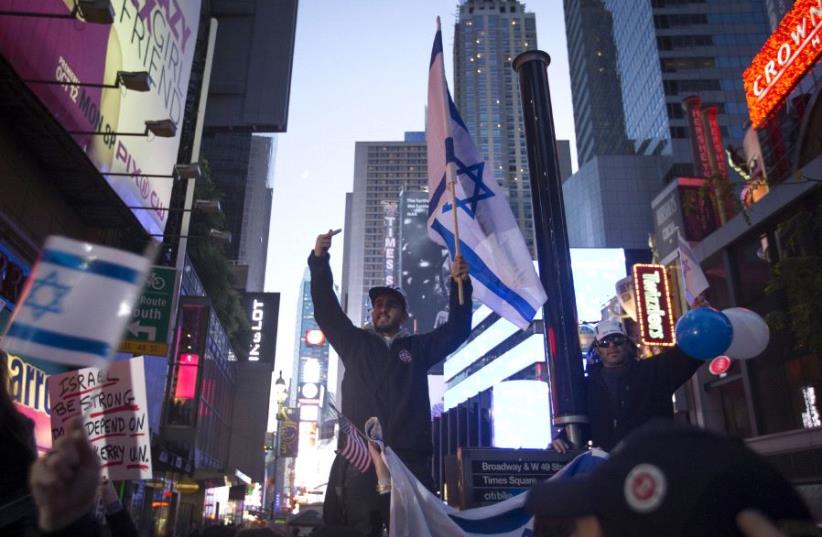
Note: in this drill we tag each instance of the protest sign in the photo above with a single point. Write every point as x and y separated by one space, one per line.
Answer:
112 404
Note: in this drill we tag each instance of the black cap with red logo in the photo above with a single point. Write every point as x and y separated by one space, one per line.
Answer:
666 480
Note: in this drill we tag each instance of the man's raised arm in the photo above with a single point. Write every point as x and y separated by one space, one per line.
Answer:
448 337
332 320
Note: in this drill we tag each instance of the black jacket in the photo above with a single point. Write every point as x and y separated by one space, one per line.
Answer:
390 382
644 392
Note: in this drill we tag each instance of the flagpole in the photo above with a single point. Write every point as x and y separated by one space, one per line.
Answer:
553 251
450 172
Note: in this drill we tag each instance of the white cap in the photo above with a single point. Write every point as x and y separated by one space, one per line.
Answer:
609 328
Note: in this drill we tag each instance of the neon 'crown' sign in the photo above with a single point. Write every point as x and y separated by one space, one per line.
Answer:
789 52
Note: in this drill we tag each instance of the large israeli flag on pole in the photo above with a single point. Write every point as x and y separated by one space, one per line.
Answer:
502 272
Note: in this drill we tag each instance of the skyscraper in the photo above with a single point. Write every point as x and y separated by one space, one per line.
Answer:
256 214
488 36
597 97
668 50
249 92
309 393
381 171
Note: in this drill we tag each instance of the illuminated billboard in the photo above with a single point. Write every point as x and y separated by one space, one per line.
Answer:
791 50
155 37
653 301
424 268
27 386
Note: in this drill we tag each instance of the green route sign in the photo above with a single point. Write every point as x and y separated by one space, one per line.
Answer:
147 330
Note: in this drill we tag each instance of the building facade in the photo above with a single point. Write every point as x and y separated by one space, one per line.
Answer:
761 260
595 86
305 475
607 200
488 35
381 171
668 50
661 53
256 215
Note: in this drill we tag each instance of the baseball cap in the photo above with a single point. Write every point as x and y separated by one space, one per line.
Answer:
396 292
608 328
667 480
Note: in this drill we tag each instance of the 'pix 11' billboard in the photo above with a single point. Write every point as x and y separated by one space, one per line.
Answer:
65 60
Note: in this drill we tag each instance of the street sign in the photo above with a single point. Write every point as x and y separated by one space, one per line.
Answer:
147 330
483 476
719 365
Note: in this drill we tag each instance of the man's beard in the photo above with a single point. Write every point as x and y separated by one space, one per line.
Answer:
388 328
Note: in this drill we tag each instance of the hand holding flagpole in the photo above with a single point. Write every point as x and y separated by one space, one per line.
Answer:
451 178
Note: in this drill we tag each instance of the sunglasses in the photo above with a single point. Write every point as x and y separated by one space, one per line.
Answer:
612 341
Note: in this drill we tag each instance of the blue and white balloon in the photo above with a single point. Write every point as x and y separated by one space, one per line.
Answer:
704 333
750 333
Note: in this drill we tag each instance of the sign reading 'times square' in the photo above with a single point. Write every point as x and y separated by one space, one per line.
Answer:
793 48
653 303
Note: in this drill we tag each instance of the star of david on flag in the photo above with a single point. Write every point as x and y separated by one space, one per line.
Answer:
77 303
502 272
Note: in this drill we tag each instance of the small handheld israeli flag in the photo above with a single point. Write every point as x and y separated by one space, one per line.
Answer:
502 272
76 303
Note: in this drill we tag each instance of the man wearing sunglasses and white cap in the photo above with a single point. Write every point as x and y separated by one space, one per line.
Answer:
623 393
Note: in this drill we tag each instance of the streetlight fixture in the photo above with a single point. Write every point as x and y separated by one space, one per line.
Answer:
130 80
203 206
162 128
217 234
181 171
280 396
93 11
280 391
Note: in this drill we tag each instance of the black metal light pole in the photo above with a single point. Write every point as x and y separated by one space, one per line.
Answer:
553 253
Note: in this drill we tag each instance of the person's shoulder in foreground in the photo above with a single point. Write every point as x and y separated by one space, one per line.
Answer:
672 481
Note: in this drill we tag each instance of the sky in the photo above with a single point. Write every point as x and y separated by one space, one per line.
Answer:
360 73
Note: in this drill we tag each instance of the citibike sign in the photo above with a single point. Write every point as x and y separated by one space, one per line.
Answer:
147 331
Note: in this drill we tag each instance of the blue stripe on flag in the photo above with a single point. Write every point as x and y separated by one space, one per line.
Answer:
435 197
455 114
60 341
502 523
484 275
437 49
96 266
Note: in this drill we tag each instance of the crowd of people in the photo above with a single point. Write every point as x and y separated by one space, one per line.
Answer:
660 480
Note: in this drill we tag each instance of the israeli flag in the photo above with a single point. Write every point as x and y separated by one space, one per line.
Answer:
502 271
693 279
417 512
76 303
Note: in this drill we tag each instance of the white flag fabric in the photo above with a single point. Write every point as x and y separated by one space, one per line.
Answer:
693 279
416 512
502 271
76 303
